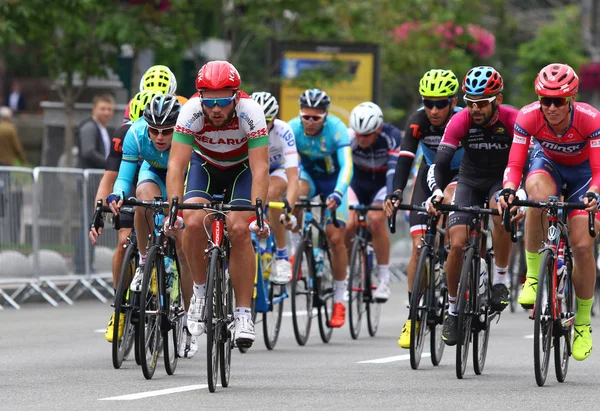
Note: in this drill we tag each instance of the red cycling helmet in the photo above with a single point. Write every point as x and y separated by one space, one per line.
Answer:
557 80
217 75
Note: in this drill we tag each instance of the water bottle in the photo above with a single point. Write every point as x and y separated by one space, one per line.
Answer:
170 269
483 279
560 269
319 261
266 260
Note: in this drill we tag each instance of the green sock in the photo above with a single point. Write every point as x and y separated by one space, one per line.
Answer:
534 260
584 311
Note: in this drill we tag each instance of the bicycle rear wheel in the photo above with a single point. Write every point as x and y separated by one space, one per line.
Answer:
419 306
124 306
358 266
272 318
302 292
226 343
324 285
543 322
212 324
563 341
464 299
149 326
172 338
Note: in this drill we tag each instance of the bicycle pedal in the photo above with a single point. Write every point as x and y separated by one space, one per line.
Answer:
243 343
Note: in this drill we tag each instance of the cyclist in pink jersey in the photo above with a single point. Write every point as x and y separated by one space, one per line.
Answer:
568 153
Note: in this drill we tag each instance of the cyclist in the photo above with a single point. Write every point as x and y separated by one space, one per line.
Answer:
222 135
283 160
375 147
424 131
486 133
149 139
113 162
568 137
326 157
157 78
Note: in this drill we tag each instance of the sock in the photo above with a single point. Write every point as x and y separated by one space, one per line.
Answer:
199 290
340 288
584 311
534 260
242 312
185 319
281 254
500 276
384 273
142 259
451 305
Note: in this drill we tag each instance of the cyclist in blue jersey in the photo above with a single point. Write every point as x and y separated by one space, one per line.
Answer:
375 147
424 129
324 148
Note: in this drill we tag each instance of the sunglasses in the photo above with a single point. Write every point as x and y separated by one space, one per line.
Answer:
557 101
163 131
481 103
439 104
221 102
269 119
314 117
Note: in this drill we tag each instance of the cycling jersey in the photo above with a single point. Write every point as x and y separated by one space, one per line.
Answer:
138 146
486 149
113 161
571 149
223 147
420 134
327 154
374 166
282 146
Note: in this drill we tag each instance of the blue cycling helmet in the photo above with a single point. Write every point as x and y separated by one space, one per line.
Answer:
482 81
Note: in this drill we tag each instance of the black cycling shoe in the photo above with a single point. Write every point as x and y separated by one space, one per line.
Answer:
499 300
450 329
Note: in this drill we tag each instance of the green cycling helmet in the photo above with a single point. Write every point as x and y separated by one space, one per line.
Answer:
438 83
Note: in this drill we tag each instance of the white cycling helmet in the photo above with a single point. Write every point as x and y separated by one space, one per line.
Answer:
366 118
268 102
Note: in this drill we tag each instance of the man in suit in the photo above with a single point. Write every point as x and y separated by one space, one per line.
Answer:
94 139
16 101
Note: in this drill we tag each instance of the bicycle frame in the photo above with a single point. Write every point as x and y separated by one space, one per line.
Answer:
263 301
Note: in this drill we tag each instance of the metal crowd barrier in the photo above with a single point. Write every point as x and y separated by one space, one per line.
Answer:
44 249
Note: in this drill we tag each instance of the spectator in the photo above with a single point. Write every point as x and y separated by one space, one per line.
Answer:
11 150
16 101
94 139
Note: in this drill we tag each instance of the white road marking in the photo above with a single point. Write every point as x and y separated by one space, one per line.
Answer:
529 337
289 313
147 394
392 359
100 330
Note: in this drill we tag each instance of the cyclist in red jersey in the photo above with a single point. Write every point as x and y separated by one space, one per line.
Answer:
568 137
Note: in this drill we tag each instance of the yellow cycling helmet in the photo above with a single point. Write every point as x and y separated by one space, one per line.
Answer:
438 83
159 78
138 103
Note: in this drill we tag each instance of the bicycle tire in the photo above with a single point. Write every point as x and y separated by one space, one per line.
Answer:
355 288
437 345
212 330
464 299
419 307
516 263
325 289
543 329
481 335
373 307
302 289
563 341
175 313
272 318
226 343
149 327
123 304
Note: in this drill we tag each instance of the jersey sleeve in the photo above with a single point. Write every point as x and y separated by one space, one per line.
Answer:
392 159
128 167
456 130
519 149
113 161
252 120
407 153
344 156
594 137
189 122
290 153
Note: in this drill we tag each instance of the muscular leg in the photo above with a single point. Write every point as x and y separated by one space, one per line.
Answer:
117 260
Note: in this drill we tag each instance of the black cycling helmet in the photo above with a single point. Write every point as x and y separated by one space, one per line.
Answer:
314 98
162 111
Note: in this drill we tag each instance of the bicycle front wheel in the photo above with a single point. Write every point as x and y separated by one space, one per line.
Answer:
373 307
121 346
324 285
419 306
464 298
302 293
212 323
481 333
543 321
149 327
226 321
272 318
175 312
563 341
358 266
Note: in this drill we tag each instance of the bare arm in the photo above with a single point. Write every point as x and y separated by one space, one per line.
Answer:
293 185
106 185
258 159
179 159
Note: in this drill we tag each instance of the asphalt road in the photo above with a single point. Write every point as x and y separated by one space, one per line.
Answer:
57 359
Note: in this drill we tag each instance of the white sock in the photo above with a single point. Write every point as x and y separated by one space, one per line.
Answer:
500 276
451 305
340 288
142 259
242 312
199 290
384 273
185 319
